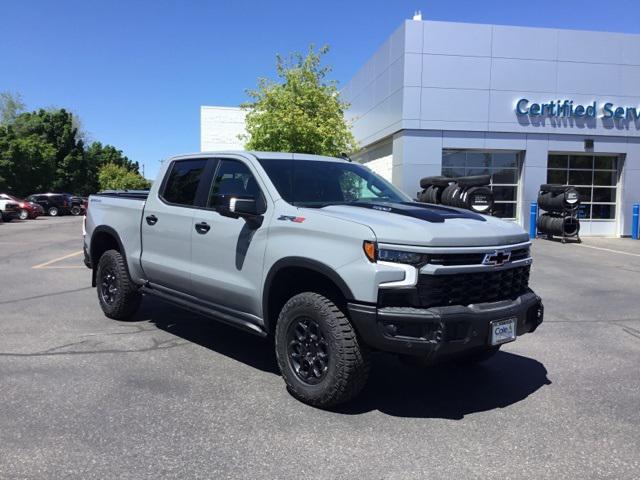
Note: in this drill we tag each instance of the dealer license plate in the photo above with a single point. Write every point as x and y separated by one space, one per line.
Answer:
503 331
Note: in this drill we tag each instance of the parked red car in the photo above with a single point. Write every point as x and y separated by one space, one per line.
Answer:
26 209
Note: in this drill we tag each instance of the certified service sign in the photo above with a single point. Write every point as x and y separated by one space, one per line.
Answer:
569 109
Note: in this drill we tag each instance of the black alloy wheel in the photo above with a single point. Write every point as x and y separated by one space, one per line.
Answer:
108 286
76 210
307 350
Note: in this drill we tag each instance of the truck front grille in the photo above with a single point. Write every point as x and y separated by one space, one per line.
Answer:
459 289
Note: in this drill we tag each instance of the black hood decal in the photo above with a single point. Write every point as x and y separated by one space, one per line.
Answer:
422 211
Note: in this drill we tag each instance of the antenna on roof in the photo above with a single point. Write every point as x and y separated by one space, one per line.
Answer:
345 157
417 15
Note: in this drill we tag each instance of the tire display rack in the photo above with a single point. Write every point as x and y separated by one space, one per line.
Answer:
560 218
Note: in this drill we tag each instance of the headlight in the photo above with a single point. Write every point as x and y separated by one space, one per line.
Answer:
398 256
374 254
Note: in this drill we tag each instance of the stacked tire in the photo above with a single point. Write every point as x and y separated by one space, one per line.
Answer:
560 203
471 193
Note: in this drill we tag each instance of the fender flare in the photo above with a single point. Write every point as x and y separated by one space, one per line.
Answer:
94 263
301 262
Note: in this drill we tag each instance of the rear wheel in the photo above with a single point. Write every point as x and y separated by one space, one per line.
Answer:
76 210
23 214
54 212
320 356
118 295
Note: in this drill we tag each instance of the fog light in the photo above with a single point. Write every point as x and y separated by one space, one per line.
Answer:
390 329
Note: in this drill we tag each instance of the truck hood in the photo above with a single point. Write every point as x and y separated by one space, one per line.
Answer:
412 223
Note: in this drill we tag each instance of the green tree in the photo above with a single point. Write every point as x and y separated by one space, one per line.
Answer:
43 151
27 164
11 105
302 112
118 177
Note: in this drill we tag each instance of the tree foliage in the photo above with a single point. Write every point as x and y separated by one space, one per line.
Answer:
11 105
117 177
301 112
42 151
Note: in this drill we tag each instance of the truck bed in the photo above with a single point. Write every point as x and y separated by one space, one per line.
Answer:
122 212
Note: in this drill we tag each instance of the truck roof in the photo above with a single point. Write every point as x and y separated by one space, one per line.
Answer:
263 155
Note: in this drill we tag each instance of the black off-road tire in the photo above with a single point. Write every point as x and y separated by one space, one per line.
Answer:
122 300
347 368
75 210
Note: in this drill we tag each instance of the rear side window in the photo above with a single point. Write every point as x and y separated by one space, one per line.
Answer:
182 182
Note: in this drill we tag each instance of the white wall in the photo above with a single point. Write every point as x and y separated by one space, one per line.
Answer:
220 127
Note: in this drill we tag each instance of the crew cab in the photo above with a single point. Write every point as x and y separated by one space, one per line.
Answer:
321 254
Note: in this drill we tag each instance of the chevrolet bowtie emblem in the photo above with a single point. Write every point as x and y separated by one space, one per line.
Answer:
497 258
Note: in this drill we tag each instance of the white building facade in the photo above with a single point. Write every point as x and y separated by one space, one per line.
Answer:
526 105
221 128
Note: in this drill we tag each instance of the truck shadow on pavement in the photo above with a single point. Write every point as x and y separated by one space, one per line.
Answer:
445 391
216 336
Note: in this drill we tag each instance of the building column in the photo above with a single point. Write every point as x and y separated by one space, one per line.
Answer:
534 174
629 183
416 154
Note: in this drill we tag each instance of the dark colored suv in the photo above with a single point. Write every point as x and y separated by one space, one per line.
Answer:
54 204
78 205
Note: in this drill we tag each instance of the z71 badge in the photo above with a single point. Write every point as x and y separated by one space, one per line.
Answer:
291 219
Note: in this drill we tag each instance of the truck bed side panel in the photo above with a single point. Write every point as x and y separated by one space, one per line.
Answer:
124 216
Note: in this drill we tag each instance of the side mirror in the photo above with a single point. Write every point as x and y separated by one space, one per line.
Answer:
243 207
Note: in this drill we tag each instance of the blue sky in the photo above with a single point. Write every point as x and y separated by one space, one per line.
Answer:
136 72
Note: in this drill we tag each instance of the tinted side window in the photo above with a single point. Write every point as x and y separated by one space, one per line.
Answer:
182 182
233 179
281 175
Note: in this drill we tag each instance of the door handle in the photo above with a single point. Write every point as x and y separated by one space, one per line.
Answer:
152 219
202 227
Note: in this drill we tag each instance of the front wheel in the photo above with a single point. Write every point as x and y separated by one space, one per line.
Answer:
319 353
23 215
54 212
75 210
118 296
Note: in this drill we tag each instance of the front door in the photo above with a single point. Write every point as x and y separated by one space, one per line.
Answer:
167 224
228 253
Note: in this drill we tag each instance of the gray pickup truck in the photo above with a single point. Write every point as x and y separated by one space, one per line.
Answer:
320 253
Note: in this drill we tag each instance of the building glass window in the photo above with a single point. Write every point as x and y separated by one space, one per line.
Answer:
504 168
594 176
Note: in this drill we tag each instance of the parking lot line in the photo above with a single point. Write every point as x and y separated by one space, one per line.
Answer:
59 259
610 250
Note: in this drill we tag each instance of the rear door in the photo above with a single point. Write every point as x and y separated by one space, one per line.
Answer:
228 257
167 223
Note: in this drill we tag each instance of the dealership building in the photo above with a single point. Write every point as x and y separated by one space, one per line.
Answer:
526 105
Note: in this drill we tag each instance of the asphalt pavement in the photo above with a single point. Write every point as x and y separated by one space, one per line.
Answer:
174 395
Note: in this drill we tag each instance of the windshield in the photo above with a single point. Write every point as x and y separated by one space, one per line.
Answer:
312 183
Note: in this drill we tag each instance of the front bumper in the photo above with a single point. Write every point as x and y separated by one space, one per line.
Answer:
441 333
